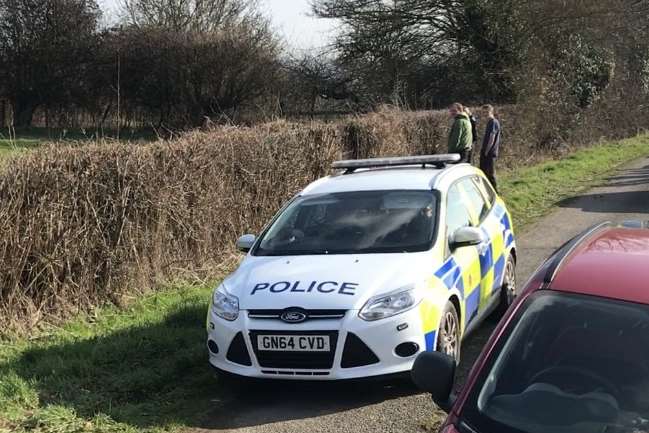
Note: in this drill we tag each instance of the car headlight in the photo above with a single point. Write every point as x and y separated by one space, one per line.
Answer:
225 305
381 307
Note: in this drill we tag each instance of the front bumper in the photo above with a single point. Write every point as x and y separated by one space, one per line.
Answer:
360 349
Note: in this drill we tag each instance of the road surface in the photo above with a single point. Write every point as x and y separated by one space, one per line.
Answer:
397 407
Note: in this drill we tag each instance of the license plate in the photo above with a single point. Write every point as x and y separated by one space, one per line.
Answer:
293 343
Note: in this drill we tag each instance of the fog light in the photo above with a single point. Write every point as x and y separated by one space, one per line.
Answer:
214 348
406 350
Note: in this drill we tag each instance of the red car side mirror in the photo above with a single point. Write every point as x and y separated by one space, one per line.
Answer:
434 372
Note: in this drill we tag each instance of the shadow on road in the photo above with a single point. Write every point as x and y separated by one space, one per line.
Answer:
471 350
627 202
270 402
621 202
633 177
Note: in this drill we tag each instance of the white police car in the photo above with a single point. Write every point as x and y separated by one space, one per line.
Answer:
363 270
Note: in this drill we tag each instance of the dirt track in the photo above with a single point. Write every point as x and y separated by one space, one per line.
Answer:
396 407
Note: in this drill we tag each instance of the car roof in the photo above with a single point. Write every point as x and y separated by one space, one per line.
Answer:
611 261
393 178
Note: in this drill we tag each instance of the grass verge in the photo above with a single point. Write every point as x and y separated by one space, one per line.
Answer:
138 369
144 368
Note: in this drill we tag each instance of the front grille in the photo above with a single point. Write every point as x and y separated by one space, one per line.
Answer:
356 353
310 314
296 360
238 353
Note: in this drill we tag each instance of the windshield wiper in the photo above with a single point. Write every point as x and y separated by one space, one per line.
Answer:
273 253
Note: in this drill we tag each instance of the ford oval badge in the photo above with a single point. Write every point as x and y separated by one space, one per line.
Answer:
293 316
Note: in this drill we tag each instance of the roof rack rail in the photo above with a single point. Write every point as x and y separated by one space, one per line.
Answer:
562 253
438 161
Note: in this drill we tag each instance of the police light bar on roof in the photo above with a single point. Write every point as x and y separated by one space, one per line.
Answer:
436 160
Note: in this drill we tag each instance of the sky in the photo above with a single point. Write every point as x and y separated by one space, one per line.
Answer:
290 17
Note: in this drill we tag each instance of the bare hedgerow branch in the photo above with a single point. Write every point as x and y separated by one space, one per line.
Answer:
188 15
88 224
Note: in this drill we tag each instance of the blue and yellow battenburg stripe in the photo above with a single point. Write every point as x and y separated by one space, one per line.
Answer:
490 266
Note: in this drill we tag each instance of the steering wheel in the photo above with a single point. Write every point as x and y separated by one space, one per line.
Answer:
351 231
560 373
296 236
288 236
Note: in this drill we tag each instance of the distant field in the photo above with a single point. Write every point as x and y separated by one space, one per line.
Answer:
32 137
11 146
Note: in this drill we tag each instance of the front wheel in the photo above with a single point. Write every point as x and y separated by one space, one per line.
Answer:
448 337
508 289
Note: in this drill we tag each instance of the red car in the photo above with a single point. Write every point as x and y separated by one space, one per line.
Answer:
571 355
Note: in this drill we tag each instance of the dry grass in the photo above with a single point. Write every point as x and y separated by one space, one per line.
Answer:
83 225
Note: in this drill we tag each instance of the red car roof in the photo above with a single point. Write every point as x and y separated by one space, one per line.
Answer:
613 262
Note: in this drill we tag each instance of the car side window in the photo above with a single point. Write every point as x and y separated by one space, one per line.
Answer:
487 189
476 200
457 214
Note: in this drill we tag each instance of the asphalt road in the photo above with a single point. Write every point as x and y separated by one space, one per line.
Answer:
397 407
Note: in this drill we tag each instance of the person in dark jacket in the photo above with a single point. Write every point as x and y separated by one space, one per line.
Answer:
490 145
460 139
474 131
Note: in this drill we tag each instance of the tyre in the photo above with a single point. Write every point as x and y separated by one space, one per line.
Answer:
508 289
448 336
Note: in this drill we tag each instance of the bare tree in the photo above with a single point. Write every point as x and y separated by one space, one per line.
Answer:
474 49
46 49
185 77
187 15
311 77
409 48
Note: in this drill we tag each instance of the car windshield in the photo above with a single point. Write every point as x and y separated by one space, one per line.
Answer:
571 364
352 223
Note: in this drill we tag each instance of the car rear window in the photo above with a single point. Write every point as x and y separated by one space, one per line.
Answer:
570 364
360 222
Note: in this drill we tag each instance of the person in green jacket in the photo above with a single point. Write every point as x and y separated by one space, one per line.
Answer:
460 138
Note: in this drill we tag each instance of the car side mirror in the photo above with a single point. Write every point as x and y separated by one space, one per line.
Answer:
245 243
434 372
466 237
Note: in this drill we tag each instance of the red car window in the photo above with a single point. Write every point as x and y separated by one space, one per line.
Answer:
569 364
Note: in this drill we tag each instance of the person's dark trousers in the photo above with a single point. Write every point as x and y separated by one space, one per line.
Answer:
465 155
488 166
